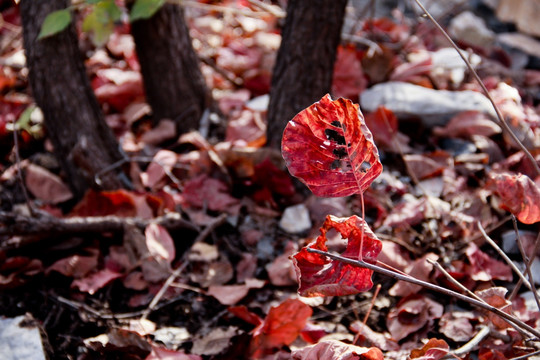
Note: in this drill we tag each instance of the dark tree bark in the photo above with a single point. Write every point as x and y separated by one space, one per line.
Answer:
174 84
305 60
82 141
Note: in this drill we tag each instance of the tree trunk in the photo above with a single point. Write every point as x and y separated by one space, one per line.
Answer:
82 141
174 84
305 60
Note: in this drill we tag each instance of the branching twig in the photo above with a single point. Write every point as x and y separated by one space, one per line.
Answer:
509 318
500 116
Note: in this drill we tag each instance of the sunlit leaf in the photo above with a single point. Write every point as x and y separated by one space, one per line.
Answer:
54 23
320 276
519 195
144 9
329 148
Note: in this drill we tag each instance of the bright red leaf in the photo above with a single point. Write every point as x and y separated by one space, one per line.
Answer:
281 327
519 195
320 276
330 149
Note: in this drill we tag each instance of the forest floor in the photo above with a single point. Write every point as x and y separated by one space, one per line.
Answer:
196 262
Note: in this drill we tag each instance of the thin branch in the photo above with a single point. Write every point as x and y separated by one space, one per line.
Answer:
526 356
500 116
17 224
19 170
183 263
504 256
453 280
509 318
471 344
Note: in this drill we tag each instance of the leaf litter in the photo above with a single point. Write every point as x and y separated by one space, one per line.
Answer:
236 297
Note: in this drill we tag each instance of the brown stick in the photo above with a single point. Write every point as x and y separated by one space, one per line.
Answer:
17 224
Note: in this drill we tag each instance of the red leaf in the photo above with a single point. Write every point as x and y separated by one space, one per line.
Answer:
96 281
203 191
434 349
484 267
45 185
412 314
320 276
159 242
281 326
496 297
519 195
330 149
243 313
337 350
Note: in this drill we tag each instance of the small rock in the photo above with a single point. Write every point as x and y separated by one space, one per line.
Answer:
471 29
521 42
447 62
434 107
295 219
20 339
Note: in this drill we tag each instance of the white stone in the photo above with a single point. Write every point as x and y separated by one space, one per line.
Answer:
295 219
20 342
471 29
434 107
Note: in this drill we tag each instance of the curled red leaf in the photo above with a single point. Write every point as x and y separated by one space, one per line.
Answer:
329 148
320 276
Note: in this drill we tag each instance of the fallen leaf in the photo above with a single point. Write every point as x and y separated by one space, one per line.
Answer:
486 268
411 314
203 191
215 342
160 353
367 337
336 350
45 185
281 327
161 164
231 294
496 297
92 283
159 242
468 123
320 276
457 326
349 79
76 266
281 270
420 269
519 195
330 149
434 349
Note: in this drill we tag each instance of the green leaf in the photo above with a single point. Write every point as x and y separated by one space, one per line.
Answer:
54 23
100 22
144 9
93 1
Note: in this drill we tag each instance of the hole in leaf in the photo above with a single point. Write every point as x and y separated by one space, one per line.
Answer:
365 166
333 135
335 123
340 152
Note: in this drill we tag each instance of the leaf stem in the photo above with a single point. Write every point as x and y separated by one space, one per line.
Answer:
509 318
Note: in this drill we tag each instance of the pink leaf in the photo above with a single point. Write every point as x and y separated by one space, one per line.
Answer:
434 349
96 281
45 185
336 350
486 268
330 149
159 242
203 191
320 276
412 314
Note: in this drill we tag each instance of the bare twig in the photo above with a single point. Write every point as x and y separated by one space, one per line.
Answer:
504 256
526 356
471 344
183 263
526 260
17 224
375 294
453 280
527 267
19 170
500 116
509 318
